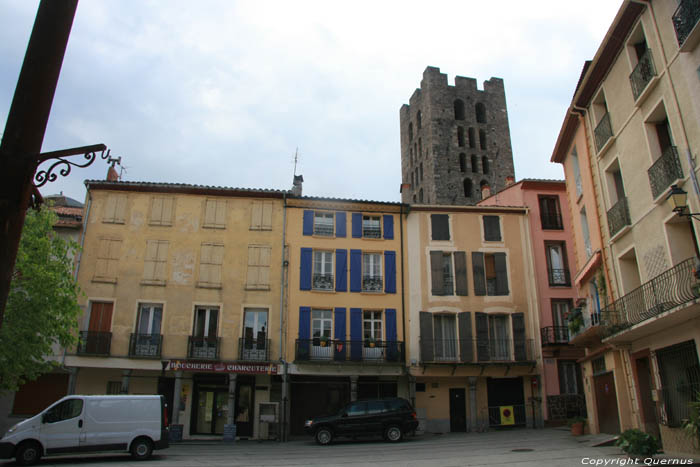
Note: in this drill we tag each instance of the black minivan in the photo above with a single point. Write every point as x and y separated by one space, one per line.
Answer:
390 418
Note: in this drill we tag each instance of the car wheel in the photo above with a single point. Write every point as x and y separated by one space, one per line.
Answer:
324 436
141 448
28 453
393 434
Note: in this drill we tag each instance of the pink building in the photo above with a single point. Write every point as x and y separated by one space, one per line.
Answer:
553 250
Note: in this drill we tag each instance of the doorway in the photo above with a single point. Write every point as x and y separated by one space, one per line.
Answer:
606 403
210 406
458 410
648 406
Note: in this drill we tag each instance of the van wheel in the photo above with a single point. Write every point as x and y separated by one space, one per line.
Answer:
28 453
393 434
324 436
141 448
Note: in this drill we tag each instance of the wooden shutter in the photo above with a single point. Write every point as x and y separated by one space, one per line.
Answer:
209 212
156 210
356 225
390 271
466 351
440 226
355 270
519 342
110 209
341 270
304 333
217 259
220 220
501 273
205 263
492 229
478 271
461 273
356 343
482 336
256 215
436 278
388 227
305 269
120 214
308 223
426 336
339 333
340 224
100 317
266 215
392 347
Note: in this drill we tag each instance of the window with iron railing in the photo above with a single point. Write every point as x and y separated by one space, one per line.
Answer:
322 278
642 74
371 227
323 224
685 18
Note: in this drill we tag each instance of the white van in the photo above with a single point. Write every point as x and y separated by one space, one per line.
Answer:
78 424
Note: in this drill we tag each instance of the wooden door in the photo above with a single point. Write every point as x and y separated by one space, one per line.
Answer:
98 338
606 403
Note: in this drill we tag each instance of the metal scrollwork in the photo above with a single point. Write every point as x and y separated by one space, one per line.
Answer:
62 166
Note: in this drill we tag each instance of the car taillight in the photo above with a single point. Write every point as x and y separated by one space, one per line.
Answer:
165 410
413 414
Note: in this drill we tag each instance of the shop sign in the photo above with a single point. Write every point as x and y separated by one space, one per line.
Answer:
224 367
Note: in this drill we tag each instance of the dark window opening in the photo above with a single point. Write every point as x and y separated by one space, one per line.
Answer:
475 164
492 229
482 139
480 113
467 188
485 164
459 110
410 131
419 120
462 163
460 136
440 226
472 138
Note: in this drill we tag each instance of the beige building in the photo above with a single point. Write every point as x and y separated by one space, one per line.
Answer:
182 298
473 331
638 104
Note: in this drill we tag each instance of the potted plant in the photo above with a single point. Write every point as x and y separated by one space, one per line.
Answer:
637 443
691 425
323 340
575 320
370 342
576 424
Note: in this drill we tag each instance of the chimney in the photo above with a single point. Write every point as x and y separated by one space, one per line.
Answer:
485 191
510 180
296 186
112 175
404 186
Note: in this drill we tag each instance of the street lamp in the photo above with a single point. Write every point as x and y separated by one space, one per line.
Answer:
678 200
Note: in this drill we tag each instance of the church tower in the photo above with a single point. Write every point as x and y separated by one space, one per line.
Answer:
455 141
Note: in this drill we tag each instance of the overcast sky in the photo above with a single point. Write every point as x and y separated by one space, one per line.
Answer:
223 92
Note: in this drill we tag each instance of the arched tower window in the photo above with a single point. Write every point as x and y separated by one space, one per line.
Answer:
460 136
419 120
459 109
462 163
420 196
480 113
472 138
475 164
410 131
420 147
467 188
482 139
485 164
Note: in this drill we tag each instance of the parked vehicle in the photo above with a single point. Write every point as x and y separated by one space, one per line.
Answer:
390 418
78 424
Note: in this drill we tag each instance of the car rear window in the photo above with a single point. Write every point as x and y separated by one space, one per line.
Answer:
375 407
358 408
397 404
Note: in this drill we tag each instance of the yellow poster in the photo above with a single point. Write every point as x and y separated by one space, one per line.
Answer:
507 416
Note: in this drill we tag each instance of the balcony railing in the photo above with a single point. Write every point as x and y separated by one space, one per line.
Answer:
332 350
642 74
476 350
563 406
603 132
685 18
371 284
665 171
145 345
206 348
618 216
94 343
254 350
552 335
551 221
322 282
371 232
671 288
325 230
559 277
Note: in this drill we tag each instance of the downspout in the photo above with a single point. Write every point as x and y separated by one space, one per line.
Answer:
403 296
283 344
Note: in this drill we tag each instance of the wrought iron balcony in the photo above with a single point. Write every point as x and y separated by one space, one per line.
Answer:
325 230
371 232
666 170
145 345
254 350
94 343
685 18
333 350
553 335
563 406
618 216
642 74
372 284
603 132
322 282
551 221
206 348
673 287
476 350
559 277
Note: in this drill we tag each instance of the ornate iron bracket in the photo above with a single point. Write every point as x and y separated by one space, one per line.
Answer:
64 166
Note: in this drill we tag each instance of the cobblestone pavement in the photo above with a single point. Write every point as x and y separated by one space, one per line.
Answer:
512 448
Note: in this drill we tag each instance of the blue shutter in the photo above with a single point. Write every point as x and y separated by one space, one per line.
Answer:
356 343
340 346
340 224
390 271
355 270
304 333
356 225
305 269
341 270
389 227
308 228
392 346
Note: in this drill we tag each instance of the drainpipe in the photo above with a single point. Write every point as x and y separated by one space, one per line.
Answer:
403 303
283 344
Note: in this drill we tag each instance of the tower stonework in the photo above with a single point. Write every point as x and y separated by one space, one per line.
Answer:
455 141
